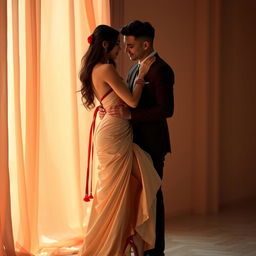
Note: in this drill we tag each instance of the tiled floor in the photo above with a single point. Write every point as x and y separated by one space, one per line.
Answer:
232 232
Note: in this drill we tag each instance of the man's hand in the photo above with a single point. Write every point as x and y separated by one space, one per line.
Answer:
121 111
102 112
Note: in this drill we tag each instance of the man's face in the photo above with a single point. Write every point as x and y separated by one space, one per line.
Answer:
134 48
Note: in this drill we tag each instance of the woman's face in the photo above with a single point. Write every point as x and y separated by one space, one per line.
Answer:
115 51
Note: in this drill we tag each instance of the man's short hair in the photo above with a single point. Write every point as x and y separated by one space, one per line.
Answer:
139 29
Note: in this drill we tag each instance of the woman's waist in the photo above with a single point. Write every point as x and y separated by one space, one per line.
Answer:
111 135
112 103
111 124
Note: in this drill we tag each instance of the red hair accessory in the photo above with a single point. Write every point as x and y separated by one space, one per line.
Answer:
90 39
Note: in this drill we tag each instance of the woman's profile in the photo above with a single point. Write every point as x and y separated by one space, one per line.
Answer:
123 205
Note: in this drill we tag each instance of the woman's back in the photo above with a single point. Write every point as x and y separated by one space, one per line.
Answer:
98 80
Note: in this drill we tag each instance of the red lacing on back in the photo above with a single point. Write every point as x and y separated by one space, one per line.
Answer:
88 195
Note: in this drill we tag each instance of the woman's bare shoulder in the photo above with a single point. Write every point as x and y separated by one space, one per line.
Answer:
104 67
103 72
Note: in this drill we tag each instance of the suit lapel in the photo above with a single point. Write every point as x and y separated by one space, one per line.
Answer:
132 76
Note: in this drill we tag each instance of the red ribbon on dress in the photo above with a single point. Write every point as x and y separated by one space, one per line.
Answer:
88 195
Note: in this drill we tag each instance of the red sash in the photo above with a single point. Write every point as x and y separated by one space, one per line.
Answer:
88 195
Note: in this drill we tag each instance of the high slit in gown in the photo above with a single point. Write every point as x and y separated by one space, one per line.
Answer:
124 202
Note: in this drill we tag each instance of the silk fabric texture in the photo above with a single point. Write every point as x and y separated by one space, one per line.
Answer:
125 199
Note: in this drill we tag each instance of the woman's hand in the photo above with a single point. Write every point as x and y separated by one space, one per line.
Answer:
145 67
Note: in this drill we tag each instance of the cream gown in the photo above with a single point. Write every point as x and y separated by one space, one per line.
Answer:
125 196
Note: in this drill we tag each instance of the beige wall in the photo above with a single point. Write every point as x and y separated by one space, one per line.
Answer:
238 101
212 157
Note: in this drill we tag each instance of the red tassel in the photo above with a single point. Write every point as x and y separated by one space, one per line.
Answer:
86 199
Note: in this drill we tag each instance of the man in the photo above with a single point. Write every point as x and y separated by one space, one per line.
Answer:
148 119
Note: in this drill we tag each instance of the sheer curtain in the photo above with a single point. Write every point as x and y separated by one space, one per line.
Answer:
6 236
47 125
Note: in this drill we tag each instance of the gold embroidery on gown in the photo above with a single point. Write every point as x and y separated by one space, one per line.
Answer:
125 200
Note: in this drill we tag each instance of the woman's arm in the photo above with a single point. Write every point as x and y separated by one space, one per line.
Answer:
112 78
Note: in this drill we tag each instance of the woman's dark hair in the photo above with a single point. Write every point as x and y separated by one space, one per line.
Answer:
139 29
95 54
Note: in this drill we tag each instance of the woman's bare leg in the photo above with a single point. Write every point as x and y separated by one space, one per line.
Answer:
137 175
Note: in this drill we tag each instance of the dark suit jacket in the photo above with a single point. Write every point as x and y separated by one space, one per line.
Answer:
148 119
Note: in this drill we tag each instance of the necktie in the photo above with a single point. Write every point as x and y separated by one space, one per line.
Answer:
135 75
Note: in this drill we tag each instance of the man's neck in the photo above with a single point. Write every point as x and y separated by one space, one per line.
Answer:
146 55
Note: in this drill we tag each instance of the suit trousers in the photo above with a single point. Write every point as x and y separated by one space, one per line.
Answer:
158 162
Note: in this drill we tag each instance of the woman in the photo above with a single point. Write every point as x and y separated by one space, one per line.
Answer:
123 208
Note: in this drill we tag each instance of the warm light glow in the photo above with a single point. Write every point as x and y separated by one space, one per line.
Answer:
48 126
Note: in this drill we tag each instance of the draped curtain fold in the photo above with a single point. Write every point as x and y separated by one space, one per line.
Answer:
45 146
6 235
